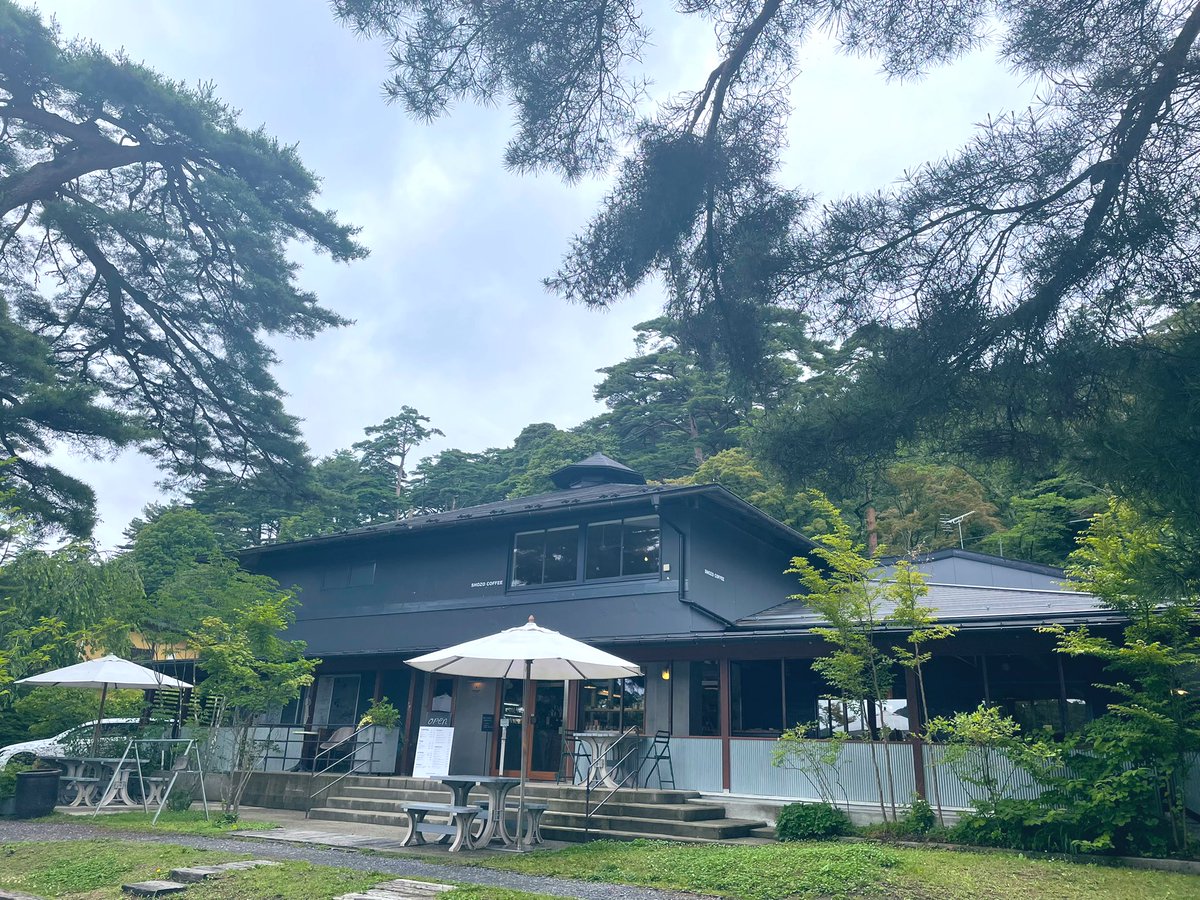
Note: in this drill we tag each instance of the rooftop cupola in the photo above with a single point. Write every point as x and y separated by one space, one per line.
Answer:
595 470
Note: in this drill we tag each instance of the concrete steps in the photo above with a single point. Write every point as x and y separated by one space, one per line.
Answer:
706 830
630 813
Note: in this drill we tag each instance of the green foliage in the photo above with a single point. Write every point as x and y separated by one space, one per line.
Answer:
387 446
8 776
819 761
380 713
147 227
912 498
668 411
766 872
173 541
810 822
180 800
918 819
54 606
977 746
853 605
52 710
251 668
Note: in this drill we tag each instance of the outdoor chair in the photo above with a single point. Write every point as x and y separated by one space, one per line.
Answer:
337 748
575 751
659 752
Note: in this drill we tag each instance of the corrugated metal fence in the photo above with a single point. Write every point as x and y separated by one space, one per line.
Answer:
698 767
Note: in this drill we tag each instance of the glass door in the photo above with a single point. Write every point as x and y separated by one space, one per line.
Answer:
544 748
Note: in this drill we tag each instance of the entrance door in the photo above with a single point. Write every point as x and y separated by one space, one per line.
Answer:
545 748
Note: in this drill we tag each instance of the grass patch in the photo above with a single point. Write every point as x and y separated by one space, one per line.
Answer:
807 870
189 822
92 868
764 872
96 869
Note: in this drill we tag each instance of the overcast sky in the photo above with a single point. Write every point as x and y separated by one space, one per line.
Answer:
450 314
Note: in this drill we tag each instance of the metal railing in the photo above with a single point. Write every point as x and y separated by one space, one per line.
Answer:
621 779
355 764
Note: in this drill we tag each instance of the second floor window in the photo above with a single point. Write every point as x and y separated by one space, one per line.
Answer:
545 557
623 547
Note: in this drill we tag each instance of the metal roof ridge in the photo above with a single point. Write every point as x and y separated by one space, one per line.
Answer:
997 587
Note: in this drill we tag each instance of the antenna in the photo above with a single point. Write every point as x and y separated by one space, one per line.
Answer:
948 524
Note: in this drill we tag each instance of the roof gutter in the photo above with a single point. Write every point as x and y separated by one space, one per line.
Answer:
705 611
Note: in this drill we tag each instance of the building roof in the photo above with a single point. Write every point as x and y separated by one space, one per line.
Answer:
590 497
596 469
975 556
967 606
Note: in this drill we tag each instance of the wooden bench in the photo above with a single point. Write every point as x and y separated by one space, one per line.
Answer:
533 812
458 824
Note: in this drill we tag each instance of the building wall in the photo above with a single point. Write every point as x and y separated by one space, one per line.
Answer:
431 590
735 573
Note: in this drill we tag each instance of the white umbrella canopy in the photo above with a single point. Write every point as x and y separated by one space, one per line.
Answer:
532 653
101 674
552 656
106 672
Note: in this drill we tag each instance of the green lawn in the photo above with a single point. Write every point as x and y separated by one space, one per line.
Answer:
804 870
190 822
95 870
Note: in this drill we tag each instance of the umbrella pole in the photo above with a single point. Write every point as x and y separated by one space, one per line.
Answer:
526 749
99 719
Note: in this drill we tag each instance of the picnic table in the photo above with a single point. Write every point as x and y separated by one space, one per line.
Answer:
497 788
89 781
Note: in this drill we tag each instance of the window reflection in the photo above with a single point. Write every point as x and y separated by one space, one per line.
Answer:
612 704
623 547
549 556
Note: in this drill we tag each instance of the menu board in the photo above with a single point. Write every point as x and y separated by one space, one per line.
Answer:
433 752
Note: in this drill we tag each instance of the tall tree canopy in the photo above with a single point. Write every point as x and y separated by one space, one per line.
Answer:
143 260
1014 293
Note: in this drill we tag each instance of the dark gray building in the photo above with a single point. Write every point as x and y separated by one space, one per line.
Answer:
688 581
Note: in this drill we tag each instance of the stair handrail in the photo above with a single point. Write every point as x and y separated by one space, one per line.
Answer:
588 810
355 767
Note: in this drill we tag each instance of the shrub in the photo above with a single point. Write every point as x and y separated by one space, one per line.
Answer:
919 819
8 777
810 821
180 801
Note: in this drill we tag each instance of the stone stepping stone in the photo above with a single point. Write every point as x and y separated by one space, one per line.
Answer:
244 864
157 888
425 888
400 889
193 874
17 895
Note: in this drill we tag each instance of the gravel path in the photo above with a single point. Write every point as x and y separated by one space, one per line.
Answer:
349 859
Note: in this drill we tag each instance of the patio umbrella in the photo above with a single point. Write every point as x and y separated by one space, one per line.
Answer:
104 673
534 654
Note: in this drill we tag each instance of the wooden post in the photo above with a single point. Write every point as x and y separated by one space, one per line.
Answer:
411 713
915 727
378 694
724 704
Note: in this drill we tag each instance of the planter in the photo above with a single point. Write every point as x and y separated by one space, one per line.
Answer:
36 793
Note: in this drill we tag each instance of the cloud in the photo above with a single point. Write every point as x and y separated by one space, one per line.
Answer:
450 313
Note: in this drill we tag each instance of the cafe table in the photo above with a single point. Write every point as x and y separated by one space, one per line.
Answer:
599 744
497 788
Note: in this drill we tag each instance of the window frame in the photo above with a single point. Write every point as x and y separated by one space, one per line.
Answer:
581 577
600 579
512 557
